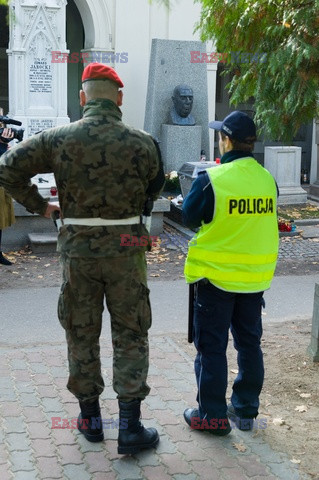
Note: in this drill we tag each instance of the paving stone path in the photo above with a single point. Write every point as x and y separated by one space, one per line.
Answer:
33 398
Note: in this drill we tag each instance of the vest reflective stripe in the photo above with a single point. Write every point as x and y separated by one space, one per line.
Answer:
237 251
245 258
234 276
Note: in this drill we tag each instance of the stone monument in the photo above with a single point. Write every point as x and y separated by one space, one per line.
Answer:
182 135
284 164
38 30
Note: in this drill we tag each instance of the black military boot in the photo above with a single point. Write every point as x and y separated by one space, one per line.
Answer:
4 261
90 421
133 436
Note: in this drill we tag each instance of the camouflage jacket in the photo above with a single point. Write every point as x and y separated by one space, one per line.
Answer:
102 167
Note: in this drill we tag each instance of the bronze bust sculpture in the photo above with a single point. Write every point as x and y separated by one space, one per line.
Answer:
180 113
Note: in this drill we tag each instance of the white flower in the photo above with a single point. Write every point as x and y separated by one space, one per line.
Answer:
173 175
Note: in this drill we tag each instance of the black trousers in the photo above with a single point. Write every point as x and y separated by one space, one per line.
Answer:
217 311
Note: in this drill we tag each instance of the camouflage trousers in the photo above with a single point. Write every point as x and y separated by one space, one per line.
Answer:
122 282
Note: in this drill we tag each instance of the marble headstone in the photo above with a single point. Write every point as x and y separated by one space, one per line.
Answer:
284 164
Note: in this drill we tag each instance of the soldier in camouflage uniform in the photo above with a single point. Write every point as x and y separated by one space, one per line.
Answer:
105 171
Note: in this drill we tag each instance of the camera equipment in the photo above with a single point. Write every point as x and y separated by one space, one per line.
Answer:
17 132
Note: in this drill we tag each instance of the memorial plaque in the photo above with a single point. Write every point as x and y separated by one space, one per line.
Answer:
36 125
40 72
40 76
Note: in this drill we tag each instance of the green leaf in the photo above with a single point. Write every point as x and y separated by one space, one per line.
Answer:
285 87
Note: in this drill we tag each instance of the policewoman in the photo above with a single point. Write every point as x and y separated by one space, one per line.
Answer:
232 260
105 172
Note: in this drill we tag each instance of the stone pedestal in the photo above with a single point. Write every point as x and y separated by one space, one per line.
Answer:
160 206
180 145
313 348
284 164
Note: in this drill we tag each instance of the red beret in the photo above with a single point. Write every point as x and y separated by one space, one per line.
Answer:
99 71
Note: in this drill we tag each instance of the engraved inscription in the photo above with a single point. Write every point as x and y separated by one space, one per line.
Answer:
40 76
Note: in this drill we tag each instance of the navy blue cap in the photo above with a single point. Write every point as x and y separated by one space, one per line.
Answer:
237 125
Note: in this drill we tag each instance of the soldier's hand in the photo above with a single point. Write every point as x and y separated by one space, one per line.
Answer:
51 208
7 135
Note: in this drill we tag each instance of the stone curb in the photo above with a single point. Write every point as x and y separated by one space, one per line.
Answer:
307 221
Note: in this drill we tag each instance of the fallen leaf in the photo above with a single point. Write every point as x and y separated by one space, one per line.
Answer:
278 421
240 447
301 408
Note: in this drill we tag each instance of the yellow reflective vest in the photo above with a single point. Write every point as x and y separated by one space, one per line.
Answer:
237 251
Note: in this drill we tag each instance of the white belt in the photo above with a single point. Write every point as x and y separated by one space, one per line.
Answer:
100 222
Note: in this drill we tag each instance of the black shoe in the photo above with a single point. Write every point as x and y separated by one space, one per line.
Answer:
220 426
133 436
4 261
90 421
243 423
